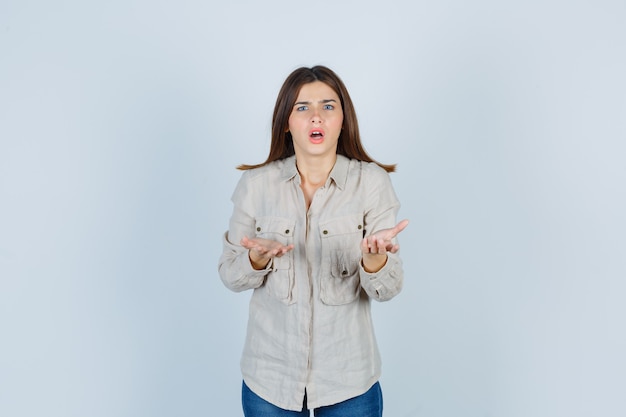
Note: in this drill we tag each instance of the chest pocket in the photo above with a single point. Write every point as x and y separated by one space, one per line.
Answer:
280 280
341 255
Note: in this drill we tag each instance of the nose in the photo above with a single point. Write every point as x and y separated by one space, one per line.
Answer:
316 117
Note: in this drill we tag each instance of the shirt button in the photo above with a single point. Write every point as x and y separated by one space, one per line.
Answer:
344 272
258 229
325 232
360 227
287 231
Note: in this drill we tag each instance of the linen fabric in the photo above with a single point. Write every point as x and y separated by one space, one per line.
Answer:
309 324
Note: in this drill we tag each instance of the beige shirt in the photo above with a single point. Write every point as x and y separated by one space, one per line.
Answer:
309 324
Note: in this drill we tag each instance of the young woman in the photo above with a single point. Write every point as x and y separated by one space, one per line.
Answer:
313 233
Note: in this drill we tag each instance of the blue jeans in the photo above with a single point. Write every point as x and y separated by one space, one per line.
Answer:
369 404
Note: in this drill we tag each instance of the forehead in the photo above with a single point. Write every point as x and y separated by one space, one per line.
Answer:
315 91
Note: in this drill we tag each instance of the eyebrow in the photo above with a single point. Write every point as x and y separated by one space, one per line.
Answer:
328 100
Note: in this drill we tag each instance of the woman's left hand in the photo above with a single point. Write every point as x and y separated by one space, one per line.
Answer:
376 246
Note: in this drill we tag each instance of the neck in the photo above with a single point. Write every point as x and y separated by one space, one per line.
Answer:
315 171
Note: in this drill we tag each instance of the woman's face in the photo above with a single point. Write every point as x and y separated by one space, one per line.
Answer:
316 120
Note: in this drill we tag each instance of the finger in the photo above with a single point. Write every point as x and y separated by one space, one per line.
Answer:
374 247
371 243
364 246
283 250
401 226
393 232
250 243
380 246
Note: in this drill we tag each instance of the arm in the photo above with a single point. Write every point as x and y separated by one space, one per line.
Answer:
235 267
246 259
381 271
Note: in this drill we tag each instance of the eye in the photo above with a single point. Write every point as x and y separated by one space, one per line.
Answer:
329 107
302 108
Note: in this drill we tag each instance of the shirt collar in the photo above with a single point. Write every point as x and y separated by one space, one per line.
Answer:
339 173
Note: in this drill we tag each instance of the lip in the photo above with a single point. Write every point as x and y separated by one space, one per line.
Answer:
318 130
317 138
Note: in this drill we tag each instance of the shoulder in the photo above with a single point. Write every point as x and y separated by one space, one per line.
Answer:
368 170
270 171
373 168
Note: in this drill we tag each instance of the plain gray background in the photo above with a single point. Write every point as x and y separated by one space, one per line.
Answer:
121 123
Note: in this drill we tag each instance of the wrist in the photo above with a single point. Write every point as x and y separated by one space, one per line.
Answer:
258 264
373 263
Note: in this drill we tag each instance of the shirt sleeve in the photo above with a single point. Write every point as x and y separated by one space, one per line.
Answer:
387 282
381 213
234 265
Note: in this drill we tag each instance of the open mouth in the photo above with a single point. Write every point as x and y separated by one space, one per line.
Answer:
316 135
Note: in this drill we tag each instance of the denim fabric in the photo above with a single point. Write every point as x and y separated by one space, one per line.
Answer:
255 406
369 404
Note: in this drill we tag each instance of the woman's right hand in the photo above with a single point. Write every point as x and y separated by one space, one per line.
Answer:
261 251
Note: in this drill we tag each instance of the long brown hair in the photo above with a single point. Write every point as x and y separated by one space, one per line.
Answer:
349 143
